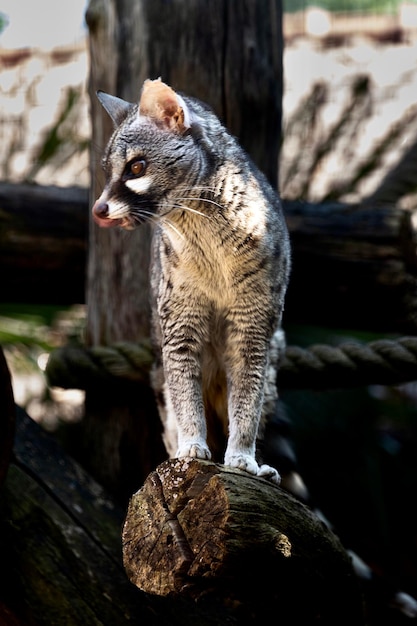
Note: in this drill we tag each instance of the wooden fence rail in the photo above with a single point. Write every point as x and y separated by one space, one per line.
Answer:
353 266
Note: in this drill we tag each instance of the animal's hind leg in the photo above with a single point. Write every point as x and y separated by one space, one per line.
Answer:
276 352
274 434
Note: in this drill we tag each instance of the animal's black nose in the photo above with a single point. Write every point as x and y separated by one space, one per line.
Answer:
101 209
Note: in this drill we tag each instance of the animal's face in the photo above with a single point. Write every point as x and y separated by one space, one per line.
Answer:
143 165
150 155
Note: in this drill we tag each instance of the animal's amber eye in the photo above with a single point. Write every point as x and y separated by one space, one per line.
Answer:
137 168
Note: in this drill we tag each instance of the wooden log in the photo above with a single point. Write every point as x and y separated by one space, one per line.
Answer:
199 530
43 243
61 551
353 266
59 539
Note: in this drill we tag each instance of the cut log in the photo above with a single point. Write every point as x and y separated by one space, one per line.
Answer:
199 530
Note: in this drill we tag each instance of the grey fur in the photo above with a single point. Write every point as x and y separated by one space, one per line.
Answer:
219 272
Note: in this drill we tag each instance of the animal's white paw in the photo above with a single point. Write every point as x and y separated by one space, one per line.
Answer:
242 461
248 464
270 473
195 449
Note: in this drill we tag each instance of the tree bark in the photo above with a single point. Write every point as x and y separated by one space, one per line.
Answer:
117 261
199 530
230 56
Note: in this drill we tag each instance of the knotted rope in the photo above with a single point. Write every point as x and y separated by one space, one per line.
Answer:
351 364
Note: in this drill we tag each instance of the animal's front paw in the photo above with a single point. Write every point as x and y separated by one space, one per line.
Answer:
243 462
270 473
248 464
195 449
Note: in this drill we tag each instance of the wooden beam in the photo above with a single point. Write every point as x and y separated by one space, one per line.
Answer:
43 243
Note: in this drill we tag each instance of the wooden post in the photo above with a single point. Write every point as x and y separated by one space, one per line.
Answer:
228 54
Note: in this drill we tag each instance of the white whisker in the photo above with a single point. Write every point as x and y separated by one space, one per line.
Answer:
158 219
177 205
184 207
200 188
167 222
145 213
171 207
202 200
142 214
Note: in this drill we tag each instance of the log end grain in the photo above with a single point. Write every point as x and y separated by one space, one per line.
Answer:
198 530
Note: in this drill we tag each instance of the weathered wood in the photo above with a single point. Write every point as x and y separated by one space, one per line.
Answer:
43 243
120 442
116 426
196 529
59 539
61 551
230 56
117 285
353 266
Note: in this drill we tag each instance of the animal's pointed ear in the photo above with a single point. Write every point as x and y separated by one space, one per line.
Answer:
117 108
165 107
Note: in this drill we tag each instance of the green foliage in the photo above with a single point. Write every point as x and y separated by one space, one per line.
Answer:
4 21
58 135
60 141
39 327
344 6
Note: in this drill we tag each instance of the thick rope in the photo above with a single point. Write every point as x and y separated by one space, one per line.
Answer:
384 362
